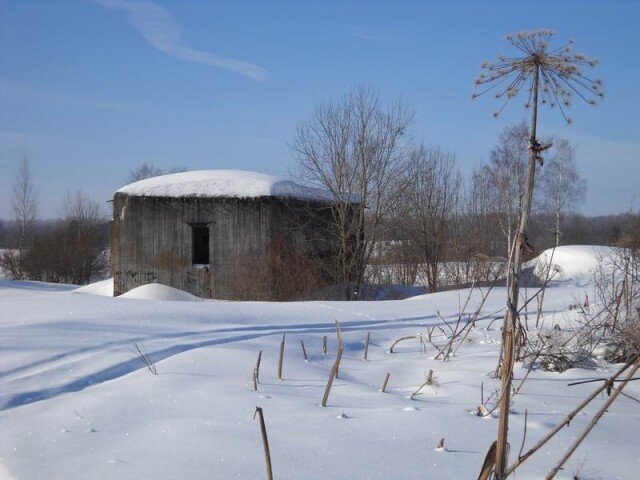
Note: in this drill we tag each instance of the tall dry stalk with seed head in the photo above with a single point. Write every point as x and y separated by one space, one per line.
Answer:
550 77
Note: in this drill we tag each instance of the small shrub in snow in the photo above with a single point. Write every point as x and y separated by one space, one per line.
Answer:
141 353
624 342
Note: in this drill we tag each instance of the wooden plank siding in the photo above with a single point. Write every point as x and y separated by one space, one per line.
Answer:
151 238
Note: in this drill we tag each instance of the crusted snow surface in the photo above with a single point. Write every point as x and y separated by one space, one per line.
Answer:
223 183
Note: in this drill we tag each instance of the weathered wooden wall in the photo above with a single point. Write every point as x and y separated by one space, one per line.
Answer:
151 239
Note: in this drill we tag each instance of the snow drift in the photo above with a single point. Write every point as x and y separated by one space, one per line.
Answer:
157 291
223 183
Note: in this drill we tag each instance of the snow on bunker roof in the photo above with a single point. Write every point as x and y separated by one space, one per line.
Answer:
223 183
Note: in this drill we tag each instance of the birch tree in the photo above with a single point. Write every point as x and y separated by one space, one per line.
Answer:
25 201
562 186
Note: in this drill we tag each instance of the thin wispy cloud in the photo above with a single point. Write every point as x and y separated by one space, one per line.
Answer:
158 27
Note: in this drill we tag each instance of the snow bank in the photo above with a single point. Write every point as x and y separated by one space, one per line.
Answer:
104 288
223 183
157 291
575 264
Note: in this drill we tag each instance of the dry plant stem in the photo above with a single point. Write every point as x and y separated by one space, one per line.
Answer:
366 345
257 367
428 382
386 380
524 435
473 321
515 268
324 345
489 462
409 337
281 357
333 374
340 345
548 278
523 458
142 354
552 473
535 358
304 351
265 441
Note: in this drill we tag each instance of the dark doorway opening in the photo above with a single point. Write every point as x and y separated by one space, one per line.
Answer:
200 245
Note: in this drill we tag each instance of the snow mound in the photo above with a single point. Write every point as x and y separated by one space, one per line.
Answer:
104 288
223 183
576 264
157 291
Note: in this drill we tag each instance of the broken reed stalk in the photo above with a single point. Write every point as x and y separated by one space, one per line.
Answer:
428 382
552 473
265 441
366 345
409 337
386 380
324 345
523 458
333 374
441 443
281 357
304 351
256 369
255 380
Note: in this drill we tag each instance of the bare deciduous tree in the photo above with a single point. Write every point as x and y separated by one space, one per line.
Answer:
505 172
353 149
149 170
25 202
25 208
71 250
428 199
562 186
141 172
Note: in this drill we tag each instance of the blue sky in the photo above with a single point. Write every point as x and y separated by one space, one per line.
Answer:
90 89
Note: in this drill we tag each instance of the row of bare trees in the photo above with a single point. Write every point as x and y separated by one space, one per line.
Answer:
403 213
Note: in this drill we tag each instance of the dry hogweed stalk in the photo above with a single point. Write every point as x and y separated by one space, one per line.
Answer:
557 74
547 76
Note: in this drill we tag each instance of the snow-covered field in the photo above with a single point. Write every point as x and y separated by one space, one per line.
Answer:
75 403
